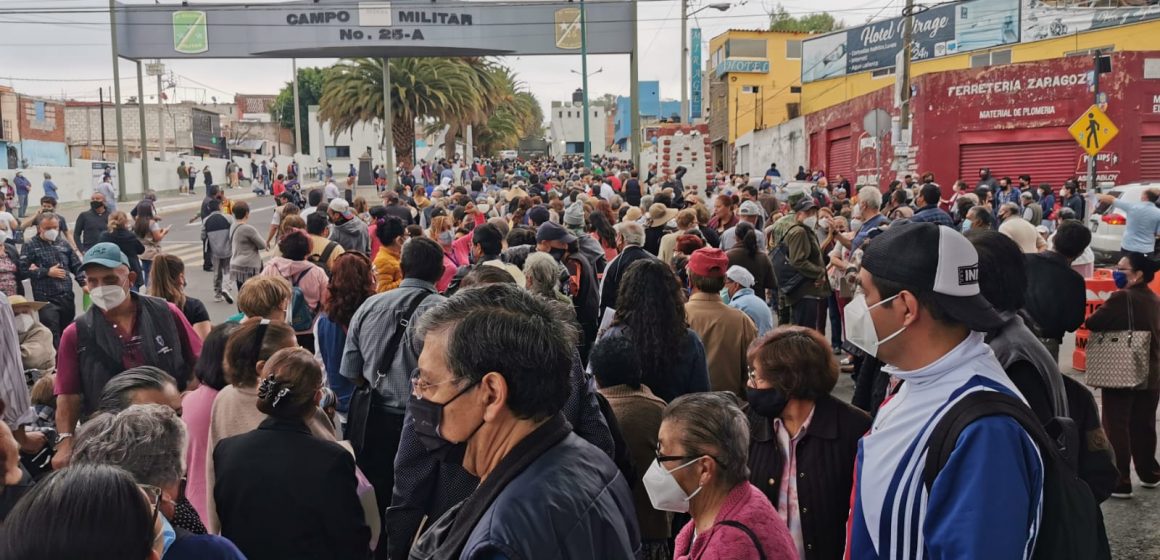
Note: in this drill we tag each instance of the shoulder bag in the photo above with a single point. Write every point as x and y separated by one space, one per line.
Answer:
1119 359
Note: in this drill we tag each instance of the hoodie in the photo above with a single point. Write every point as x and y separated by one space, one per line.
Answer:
312 283
352 235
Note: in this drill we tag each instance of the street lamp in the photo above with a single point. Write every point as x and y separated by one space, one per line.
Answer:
719 6
584 87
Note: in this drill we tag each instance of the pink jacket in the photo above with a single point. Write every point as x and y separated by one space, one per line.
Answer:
196 406
313 284
745 504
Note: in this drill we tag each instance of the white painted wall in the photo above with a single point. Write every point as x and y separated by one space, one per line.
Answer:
567 126
784 144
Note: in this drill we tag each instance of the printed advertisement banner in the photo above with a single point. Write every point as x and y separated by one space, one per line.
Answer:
939 31
695 75
1046 19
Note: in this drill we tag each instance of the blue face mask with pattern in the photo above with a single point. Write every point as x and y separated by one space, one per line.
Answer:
1121 278
168 535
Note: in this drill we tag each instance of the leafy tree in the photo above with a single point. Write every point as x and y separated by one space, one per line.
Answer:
309 93
820 22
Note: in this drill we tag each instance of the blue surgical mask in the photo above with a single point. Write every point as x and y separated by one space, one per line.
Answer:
1121 278
966 226
168 535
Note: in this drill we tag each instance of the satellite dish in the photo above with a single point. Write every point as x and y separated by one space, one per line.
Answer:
876 123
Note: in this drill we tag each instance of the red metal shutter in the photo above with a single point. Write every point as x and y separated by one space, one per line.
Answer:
1150 158
839 153
1047 162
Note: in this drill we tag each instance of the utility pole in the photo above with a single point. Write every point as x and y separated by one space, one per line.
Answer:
101 96
1091 164
158 70
297 109
388 135
902 143
684 61
584 85
117 105
141 127
634 95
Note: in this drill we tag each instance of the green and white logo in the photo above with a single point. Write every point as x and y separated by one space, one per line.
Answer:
190 34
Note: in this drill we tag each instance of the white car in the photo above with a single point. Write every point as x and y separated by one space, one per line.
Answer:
1108 228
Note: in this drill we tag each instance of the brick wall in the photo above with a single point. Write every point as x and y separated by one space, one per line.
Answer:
41 120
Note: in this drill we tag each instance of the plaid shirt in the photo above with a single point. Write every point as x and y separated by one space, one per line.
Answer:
45 255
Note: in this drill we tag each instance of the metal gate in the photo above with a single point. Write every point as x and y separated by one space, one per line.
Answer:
1150 158
1050 162
839 154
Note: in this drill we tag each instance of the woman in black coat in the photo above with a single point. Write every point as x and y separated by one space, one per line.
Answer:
282 493
121 234
793 372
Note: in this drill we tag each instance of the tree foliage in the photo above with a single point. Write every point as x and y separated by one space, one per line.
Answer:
451 93
309 93
820 22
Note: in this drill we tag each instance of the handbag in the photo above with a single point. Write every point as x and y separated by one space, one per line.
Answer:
365 396
1119 359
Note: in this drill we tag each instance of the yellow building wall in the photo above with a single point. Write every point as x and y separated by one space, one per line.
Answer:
1137 37
773 86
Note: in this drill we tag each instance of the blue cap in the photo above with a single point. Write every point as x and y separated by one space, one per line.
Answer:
105 254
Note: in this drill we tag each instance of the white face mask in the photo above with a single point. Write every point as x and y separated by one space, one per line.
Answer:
663 490
812 222
50 235
108 297
24 323
860 329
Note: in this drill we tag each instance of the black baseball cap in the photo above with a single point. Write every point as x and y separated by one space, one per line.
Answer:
926 257
551 231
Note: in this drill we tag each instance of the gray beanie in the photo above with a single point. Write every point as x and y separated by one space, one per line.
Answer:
574 215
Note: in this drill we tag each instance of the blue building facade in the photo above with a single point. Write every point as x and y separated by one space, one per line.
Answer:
651 106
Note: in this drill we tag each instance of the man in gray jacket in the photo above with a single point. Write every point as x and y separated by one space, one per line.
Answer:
215 239
349 231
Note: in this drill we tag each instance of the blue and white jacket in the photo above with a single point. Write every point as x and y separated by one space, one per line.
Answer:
985 503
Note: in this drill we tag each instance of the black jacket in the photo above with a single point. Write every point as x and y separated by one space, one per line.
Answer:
610 285
1056 295
131 246
825 467
284 494
88 228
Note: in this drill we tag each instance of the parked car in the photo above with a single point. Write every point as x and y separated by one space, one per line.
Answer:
1108 224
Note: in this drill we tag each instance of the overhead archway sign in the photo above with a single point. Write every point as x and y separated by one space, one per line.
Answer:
346 28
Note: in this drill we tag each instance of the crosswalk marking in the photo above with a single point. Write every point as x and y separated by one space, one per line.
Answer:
190 253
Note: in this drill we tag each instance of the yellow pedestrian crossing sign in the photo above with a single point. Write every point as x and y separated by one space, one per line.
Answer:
1093 130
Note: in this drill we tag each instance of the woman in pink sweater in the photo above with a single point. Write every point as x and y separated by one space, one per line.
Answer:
302 274
702 469
196 407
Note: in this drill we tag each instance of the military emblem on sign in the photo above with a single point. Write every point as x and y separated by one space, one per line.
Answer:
568 28
190 33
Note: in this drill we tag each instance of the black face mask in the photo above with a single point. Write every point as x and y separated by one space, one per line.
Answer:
766 402
96 205
558 254
428 418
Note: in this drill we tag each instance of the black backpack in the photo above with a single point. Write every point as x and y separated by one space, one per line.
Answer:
788 277
1072 525
321 260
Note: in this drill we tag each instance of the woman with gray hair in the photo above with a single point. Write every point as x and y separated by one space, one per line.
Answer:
148 441
702 469
543 275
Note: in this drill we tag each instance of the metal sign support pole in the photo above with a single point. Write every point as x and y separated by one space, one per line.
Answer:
117 105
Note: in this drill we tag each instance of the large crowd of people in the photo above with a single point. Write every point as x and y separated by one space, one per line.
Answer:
542 359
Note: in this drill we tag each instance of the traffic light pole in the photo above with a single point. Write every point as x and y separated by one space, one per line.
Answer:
1091 167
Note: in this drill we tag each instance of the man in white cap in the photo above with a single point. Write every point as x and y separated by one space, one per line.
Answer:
347 230
749 211
920 311
739 284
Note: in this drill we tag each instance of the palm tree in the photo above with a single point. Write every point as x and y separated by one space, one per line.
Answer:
441 88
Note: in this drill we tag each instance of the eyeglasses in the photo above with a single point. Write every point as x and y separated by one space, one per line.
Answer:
154 495
667 458
420 386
